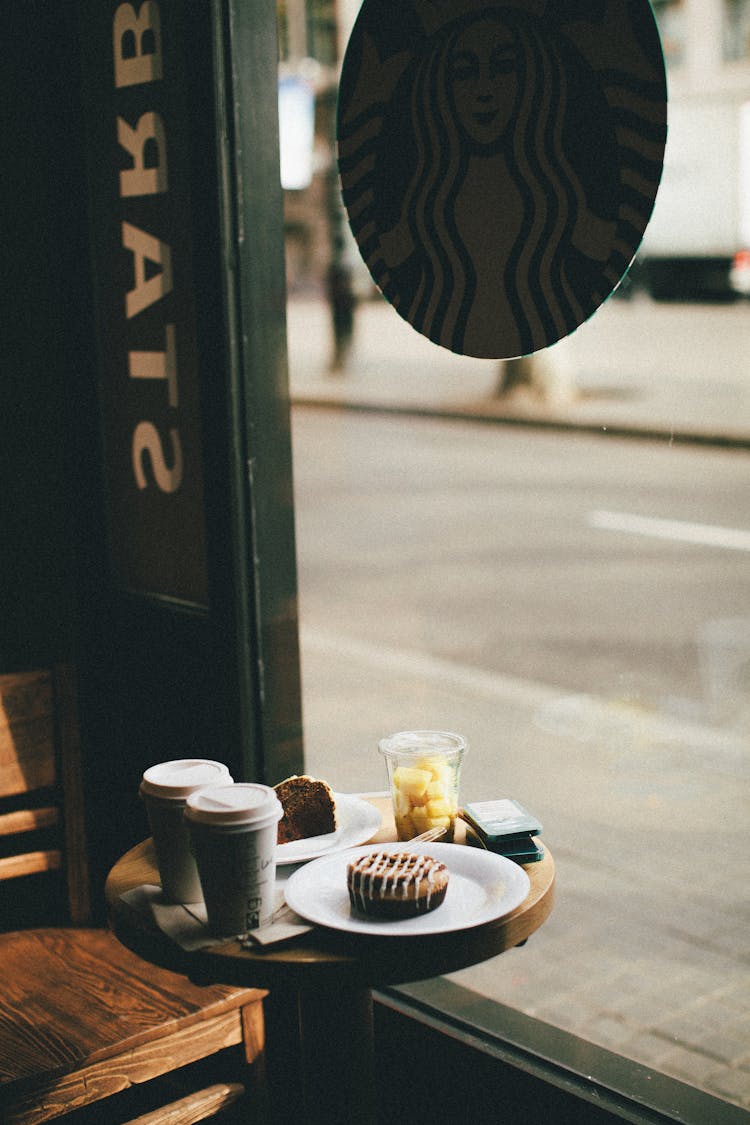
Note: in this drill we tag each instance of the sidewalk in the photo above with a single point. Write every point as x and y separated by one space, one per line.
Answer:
678 372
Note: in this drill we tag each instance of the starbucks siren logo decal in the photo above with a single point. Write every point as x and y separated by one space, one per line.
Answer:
499 161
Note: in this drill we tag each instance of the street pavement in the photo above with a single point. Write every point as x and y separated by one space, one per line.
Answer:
658 973
679 372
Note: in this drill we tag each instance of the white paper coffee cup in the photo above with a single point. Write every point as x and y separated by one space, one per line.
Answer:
233 836
164 789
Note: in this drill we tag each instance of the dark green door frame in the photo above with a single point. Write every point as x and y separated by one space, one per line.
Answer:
189 638
267 647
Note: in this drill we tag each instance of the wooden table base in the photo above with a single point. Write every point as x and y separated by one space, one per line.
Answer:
320 1056
338 1070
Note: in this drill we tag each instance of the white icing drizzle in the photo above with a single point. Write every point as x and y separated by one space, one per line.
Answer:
394 874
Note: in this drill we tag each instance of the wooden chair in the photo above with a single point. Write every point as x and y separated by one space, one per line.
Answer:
82 1018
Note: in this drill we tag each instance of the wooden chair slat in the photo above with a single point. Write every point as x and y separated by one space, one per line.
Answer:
27 733
71 778
30 863
195 1107
27 820
71 1091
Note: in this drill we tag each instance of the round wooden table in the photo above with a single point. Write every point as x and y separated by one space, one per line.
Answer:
322 981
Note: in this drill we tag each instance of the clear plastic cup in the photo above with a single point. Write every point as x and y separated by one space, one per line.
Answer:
424 768
164 790
233 836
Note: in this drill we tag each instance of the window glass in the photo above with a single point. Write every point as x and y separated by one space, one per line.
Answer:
736 30
556 564
670 16
308 30
575 605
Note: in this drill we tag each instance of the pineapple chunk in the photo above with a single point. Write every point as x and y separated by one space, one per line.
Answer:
440 822
401 803
439 807
435 791
439 770
411 782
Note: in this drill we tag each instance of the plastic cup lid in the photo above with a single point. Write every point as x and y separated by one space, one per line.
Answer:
178 779
241 803
420 742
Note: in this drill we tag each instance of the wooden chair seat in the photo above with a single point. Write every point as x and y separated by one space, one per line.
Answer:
76 1007
81 1017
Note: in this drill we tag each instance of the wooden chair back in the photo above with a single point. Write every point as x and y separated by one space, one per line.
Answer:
42 820
82 1019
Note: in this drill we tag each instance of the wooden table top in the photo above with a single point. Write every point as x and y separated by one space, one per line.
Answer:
324 958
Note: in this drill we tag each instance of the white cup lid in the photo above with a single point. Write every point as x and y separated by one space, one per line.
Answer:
178 779
242 803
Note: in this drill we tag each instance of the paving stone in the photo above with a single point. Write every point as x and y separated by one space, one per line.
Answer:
647 1048
731 1047
605 992
717 1015
689 1066
607 1031
567 1011
732 938
656 1008
687 1028
737 993
731 1084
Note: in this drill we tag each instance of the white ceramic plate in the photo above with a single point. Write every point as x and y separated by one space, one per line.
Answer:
482 887
357 821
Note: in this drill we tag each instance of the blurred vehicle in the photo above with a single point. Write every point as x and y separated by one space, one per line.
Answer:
739 275
697 244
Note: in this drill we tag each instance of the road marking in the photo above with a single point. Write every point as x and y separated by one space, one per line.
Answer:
704 534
